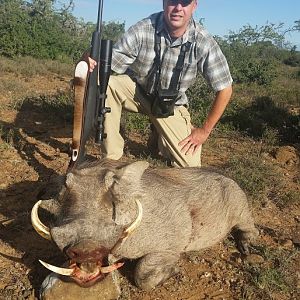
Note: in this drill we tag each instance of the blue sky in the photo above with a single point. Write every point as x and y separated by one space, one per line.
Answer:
220 15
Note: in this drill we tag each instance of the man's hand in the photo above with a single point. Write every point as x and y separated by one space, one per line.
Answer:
91 63
193 142
199 135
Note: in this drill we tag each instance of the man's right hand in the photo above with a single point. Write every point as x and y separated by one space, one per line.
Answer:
92 64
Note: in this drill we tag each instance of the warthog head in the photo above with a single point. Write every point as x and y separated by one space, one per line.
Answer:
97 208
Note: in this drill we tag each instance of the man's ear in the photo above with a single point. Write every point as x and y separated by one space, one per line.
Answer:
195 5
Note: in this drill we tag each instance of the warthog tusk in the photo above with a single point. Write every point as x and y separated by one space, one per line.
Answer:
135 224
39 227
57 270
111 268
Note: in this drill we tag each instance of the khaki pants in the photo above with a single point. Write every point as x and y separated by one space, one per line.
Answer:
122 93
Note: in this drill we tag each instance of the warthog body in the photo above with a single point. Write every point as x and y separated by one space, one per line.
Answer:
183 210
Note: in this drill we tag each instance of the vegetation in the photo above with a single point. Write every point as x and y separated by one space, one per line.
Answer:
271 277
254 52
39 29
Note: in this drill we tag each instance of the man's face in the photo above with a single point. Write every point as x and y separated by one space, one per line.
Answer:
177 14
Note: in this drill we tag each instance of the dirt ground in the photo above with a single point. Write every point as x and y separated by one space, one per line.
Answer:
34 150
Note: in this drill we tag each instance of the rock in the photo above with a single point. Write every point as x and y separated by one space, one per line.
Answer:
296 236
54 288
254 259
287 155
286 243
298 280
206 275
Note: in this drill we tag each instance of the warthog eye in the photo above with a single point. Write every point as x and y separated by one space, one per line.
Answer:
108 202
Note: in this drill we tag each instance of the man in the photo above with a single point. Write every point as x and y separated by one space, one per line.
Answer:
159 58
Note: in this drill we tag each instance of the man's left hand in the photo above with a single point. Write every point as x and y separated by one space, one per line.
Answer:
193 142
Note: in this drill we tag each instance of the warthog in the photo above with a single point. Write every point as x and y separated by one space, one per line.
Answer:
133 211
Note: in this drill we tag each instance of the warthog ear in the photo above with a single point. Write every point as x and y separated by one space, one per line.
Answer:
125 180
133 172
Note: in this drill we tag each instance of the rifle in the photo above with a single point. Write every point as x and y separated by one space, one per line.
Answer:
90 94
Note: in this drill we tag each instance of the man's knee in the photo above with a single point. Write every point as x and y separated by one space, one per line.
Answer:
176 157
187 161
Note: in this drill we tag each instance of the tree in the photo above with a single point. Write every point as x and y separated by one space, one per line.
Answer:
41 7
249 35
38 29
13 27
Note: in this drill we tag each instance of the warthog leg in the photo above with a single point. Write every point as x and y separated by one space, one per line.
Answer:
154 268
244 234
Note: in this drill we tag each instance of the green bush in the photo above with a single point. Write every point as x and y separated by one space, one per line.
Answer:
37 29
250 63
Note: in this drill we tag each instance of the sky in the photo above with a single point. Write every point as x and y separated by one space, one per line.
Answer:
220 16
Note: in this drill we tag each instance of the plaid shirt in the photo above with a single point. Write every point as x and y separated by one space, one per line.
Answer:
134 54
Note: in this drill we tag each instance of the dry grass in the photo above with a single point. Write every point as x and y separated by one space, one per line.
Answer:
28 66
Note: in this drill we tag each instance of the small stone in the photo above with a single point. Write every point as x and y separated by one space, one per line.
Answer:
287 244
26 294
296 236
298 280
254 259
206 275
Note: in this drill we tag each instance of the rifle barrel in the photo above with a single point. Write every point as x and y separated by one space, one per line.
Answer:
99 19
96 36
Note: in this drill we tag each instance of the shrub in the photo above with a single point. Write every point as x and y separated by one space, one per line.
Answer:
37 29
250 63
293 58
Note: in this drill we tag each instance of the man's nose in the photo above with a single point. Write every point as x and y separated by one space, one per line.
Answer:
178 6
